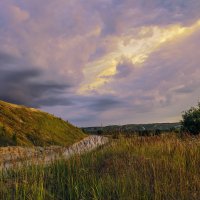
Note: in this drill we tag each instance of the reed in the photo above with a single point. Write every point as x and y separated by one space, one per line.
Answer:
159 167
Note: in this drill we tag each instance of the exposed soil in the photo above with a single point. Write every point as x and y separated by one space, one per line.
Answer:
11 157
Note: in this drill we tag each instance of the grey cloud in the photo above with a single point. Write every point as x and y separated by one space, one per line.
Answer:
6 59
104 104
19 75
184 90
54 101
189 87
99 52
124 69
27 85
92 118
118 16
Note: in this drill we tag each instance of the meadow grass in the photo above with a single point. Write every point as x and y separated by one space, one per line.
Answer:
23 126
159 167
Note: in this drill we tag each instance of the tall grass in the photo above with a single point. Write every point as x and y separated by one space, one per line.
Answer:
22 126
160 167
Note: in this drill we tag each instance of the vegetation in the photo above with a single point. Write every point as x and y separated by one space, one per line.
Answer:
159 167
135 129
20 125
191 120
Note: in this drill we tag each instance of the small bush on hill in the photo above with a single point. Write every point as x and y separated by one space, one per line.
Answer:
191 120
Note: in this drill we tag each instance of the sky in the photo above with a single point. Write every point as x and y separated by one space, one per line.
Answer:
101 62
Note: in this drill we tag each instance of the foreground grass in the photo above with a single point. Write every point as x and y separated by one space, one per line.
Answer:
163 167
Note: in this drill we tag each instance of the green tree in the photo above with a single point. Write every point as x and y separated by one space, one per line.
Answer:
191 120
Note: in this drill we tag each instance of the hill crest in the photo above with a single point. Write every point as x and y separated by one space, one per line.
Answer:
20 125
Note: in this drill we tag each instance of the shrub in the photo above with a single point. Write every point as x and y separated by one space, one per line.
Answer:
191 120
100 132
157 132
14 138
115 135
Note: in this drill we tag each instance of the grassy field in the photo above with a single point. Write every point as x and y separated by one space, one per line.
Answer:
24 126
159 167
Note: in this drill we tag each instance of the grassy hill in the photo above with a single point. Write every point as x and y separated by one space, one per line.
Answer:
24 126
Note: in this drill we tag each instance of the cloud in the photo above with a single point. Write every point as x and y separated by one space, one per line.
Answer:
136 49
18 15
94 61
184 90
6 59
26 85
103 104
20 87
124 69
54 101
166 82
120 15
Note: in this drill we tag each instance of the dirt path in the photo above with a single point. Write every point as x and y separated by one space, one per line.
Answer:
12 157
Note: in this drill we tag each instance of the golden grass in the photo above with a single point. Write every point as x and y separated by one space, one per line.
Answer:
160 167
24 126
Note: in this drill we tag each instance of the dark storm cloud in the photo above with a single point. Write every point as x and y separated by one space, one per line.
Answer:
18 75
22 83
23 87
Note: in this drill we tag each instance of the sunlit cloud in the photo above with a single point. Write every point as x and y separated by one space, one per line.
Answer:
137 50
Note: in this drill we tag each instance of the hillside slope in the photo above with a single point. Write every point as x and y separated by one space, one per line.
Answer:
24 126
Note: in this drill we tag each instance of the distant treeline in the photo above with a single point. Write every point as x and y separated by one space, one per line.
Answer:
138 129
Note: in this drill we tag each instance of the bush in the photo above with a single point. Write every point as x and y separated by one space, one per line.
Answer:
14 138
100 132
5 139
191 120
157 132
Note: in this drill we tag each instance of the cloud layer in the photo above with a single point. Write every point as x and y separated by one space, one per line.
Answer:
102 61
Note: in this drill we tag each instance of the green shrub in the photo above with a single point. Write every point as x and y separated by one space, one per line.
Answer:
14 138
191 120
100 132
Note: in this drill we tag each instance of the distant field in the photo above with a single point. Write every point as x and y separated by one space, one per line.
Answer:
159 167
